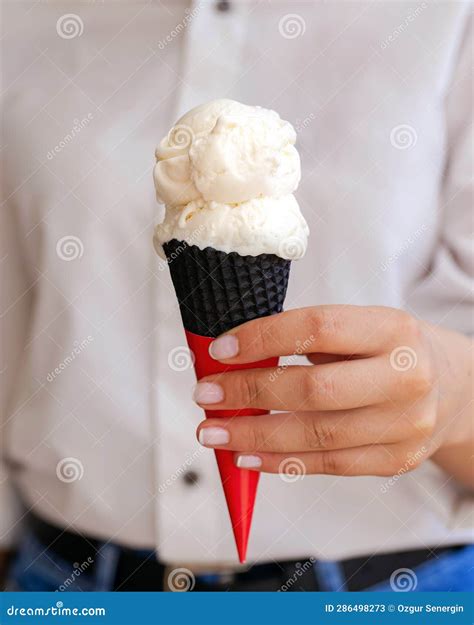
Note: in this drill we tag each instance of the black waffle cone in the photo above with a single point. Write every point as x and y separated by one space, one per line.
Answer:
218 291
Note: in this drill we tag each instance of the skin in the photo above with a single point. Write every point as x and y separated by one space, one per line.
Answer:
361 408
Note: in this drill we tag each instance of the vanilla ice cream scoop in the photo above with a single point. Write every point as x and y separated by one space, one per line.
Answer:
226 173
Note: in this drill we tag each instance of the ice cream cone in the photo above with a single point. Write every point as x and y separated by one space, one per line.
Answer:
226 173
217 291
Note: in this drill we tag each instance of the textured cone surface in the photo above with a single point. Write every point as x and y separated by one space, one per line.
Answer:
218 291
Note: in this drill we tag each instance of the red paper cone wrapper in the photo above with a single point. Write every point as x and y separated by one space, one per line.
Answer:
240 485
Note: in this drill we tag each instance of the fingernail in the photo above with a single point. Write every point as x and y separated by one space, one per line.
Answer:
226 346
208 393
248 462
213 436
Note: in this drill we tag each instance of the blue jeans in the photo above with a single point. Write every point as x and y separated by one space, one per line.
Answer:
38 569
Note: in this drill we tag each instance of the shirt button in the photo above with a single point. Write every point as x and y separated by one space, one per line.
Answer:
223 5
191 478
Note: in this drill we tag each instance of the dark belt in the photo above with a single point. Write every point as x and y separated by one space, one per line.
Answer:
139 572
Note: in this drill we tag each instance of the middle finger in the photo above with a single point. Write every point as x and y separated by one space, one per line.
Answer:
335 386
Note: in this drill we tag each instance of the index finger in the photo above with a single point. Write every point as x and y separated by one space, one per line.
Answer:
340 329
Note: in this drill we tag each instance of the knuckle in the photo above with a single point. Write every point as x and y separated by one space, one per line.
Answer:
401 462
315 385
420 380
307 383
423 424
330 463
268 335
312 320
425 376
261 335
317 435
407 325
247 390
326 386
255 438
321 322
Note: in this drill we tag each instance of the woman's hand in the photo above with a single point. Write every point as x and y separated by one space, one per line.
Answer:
383 394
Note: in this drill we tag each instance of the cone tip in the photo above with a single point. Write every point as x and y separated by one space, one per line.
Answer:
242 551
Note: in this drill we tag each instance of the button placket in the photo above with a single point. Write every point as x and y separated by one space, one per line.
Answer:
191 478
223 5
213 50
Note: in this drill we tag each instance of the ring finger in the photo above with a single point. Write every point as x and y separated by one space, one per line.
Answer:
301 431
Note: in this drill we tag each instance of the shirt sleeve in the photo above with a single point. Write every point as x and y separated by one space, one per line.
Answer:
15 305
445 296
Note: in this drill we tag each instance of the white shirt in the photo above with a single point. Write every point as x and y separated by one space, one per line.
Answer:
99 426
